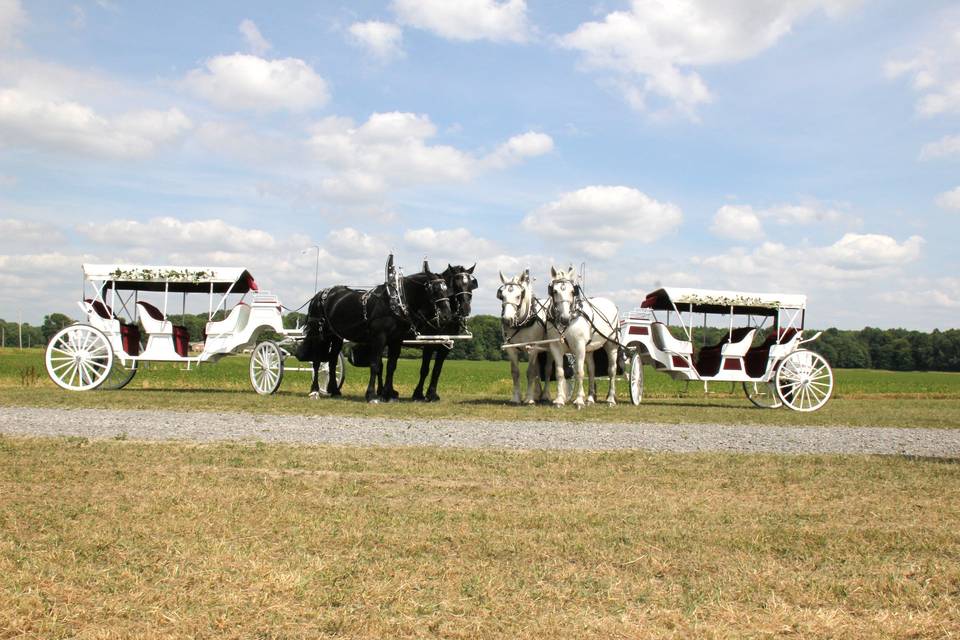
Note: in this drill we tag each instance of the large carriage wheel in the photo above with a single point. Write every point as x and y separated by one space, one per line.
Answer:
636 379
266 368
79 358
804 381
323 374
762 394
120 376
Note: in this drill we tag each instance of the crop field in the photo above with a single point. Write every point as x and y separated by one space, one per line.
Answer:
482 389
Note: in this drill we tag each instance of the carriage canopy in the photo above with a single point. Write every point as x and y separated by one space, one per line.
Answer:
720 301
174 279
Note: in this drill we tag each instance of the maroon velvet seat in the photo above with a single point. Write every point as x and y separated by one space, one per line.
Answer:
756 358
181 335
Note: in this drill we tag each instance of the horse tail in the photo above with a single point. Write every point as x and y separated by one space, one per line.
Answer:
315 344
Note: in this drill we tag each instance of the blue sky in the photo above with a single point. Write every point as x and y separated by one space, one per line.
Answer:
803 146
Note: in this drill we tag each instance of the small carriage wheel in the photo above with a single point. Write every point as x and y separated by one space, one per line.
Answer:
804 381
79 358
120 376
636 379
266 368
762 394
323 374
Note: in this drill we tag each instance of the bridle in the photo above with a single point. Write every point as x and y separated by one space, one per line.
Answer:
576 306
437 283
455 300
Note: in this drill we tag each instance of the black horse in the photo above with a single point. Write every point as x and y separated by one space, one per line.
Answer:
460 283
380 318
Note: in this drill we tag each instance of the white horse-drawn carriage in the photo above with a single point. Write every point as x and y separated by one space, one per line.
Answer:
766 354
107 347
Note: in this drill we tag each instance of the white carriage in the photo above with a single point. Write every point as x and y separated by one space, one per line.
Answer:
107 347
766 354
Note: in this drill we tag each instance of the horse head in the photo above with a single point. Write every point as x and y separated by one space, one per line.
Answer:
461 283
435 304
515 297
563 292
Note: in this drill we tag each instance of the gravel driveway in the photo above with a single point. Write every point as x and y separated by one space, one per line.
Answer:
341 430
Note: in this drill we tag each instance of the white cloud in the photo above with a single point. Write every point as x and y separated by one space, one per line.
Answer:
255 40
29 120
249 82
382 40
933 71
447 244
598 219
737 222
518 148
467 19
950 199
652 48
393 150
176 235
946 146
27 235
12 17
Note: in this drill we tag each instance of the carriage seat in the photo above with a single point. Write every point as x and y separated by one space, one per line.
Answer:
756 358
235 321
101 316
665 341
155 324
733 345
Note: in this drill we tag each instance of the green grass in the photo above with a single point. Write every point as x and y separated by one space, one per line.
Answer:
482 390
116 539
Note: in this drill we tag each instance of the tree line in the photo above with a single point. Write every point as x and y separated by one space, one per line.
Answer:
869 348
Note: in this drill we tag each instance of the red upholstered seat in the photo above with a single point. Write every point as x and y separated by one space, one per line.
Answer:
101 309
155 313
756 358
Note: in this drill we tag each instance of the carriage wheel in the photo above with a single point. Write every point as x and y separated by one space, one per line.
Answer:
323 374
266 368
79 358
636 379
804 381
762 394
120 376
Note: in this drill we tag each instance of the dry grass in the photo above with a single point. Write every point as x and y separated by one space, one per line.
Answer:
121 539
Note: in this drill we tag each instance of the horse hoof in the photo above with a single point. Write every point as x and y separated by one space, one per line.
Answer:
373 401
590 400
418 396
530 402
578 404
611 402
432 397
335 394
557 403
314 395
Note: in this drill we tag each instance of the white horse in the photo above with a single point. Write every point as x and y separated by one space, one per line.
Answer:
582 325
524 319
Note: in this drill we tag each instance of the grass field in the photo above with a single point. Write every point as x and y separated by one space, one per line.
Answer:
128 540
482 390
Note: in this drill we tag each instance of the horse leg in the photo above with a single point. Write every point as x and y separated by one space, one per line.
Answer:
424 370
557 352
545 391
514 358
612 353
315 383
578 349
393 354
376 365
336 345
592 377
442 353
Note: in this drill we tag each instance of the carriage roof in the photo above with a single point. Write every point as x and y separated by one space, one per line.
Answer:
138 277
721 301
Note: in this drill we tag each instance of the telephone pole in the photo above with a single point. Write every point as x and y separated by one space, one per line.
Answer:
20 327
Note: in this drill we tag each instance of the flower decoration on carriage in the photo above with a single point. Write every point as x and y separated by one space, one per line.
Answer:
162 275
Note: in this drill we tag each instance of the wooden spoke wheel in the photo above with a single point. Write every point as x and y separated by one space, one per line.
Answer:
762 394
79 358
636 379
266 368
804 381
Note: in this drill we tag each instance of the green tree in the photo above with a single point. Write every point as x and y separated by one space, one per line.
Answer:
53 323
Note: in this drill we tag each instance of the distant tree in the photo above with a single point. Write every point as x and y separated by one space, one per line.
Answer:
53 323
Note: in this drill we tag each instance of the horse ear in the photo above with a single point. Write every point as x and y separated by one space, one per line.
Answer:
502 279
470 270
553 271
526 275
426 267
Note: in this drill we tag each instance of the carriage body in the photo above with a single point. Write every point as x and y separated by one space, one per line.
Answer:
120 331
765 354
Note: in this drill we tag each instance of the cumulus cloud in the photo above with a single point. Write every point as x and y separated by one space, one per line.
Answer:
467 19
249 82
382 40
26 235
452 245
737 222
653 48
393 149
175 234
63 125
946 146
12 17
933 71
950 199
599 219
255 40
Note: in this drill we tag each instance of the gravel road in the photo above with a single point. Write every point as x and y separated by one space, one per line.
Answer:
341 430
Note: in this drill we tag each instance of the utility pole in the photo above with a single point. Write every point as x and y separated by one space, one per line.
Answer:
316 270
20 327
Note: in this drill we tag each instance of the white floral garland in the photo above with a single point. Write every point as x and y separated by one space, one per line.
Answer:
161 275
